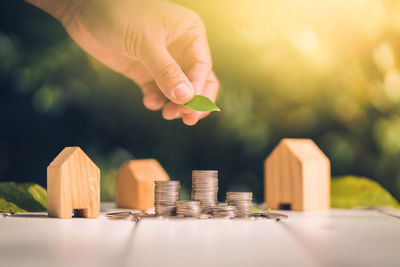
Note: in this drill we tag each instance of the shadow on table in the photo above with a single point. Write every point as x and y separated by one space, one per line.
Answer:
128 247
29 215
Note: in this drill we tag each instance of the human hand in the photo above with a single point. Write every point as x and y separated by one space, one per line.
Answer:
158 44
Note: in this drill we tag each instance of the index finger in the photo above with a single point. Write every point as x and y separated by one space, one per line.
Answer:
199 64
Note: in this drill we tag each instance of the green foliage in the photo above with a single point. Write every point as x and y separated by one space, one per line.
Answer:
22 197
202 103
350 191
107 185
9 207
36 191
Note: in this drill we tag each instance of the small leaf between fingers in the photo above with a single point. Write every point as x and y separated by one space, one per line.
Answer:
201 103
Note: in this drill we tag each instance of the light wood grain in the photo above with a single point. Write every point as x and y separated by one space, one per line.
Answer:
297 173
135 183
73 183
333 238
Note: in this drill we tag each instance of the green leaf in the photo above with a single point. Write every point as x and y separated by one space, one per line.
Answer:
350 191
28 197
257 210
37 192
201 103
9 207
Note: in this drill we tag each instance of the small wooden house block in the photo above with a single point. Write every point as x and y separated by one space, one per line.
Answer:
73 185
135 183
297 176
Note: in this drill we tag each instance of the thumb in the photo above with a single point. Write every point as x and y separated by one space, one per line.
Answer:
169 76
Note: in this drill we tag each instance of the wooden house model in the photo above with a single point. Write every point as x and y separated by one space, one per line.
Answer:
135 183
73 185
297 176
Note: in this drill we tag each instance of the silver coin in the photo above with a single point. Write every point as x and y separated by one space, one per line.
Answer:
205 188
188 208
242 201
166 194
223 211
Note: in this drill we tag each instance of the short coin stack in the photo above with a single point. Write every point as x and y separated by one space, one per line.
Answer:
223 210
166 194
205 188
242 201
188 208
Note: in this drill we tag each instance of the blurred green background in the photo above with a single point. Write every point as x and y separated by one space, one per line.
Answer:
326 70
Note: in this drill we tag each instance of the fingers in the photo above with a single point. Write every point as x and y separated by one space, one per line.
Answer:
205 83
171 111
198 76
168 75
199 63
192 118
171 78
153 99
211 91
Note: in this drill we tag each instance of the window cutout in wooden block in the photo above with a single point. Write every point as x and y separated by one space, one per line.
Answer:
297 173
73 183
135 183
79 213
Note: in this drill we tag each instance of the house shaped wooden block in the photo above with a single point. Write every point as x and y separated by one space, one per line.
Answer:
73 185
135 183
297 176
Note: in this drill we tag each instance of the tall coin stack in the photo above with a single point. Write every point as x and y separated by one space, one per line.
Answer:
188 208
242 201
205 188
166 194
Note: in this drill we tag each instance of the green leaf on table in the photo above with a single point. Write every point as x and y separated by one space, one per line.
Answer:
351 191
9 207
22 197
257 210
201 103
37 192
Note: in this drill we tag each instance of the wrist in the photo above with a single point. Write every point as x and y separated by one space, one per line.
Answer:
63 10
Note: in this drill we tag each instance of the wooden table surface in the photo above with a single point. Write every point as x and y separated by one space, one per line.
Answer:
330 238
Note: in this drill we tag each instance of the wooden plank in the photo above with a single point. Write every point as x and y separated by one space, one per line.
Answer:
219 242
329 238
35 240
347 237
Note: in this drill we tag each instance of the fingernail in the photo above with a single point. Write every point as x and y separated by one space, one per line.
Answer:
182 91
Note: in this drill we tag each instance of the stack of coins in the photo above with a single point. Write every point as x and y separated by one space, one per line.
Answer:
223 210
166 194
242 201
205 188
188 208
